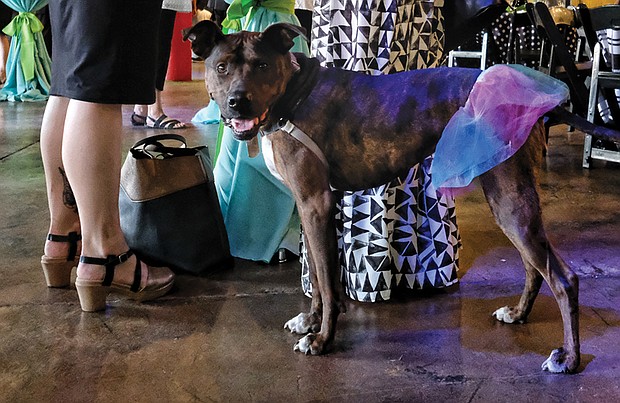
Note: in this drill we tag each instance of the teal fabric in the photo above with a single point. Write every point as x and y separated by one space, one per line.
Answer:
208 115
264 17
259 211
28 70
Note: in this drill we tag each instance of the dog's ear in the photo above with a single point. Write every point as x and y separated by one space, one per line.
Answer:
280 36
203 36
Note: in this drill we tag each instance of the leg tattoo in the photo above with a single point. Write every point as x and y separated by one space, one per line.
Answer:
67 194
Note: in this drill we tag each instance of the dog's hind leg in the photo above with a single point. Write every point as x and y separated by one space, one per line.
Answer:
510 189
519 313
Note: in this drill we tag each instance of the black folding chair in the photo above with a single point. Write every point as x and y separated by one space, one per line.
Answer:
603 105
557 61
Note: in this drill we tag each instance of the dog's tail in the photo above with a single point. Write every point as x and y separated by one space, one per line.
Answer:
561 114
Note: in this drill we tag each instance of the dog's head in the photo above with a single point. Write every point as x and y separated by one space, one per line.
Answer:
245 72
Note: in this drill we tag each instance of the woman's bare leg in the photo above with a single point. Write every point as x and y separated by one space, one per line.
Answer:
63 209
82 141
92 155
4 55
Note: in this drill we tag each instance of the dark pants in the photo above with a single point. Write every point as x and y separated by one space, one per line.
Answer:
305 18
166 29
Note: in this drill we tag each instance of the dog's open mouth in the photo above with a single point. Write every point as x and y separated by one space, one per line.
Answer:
245 129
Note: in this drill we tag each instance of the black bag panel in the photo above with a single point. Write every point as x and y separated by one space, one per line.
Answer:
160 235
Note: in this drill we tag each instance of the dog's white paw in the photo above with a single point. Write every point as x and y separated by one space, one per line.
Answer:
304 344
506 314
557 362
296 325
302 324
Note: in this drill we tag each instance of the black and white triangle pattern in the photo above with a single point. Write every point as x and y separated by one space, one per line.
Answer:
399 235
402 234
378 37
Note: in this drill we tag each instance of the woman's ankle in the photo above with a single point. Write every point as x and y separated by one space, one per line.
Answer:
59 241
124 271
140 110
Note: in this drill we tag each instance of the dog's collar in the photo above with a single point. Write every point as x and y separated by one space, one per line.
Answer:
297 90
299 87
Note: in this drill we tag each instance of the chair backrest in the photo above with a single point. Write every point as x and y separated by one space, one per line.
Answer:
597 19
593 21
479 54
557 54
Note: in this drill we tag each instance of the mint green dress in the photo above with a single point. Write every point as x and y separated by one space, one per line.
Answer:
259 211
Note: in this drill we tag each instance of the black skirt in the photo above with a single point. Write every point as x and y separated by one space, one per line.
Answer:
6 15
105 51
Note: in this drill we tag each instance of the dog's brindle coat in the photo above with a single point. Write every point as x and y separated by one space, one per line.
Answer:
371 130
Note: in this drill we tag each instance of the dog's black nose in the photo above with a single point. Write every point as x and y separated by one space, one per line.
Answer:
238 101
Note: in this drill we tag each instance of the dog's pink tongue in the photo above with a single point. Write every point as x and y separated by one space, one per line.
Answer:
242 125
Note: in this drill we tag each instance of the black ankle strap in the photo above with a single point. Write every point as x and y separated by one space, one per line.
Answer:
72 238
110 263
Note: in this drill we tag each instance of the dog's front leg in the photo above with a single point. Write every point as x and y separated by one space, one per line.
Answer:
319 228
308 180
309 322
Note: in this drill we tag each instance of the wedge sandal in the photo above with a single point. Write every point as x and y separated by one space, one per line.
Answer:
93 293
57 270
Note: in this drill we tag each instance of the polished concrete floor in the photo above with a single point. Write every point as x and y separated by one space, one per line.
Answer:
220 338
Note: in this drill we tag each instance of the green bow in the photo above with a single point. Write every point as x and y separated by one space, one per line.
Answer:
247 8
24 26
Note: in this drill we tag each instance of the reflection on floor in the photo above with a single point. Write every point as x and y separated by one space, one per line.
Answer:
220 338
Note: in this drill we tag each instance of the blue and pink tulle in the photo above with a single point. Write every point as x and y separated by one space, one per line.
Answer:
503 106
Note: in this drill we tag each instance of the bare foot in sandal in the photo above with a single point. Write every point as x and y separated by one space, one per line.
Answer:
153 116
164 122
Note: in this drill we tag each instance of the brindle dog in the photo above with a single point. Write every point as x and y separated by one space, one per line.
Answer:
362 131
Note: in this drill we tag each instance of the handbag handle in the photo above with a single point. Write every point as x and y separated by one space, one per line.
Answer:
152 148
159 137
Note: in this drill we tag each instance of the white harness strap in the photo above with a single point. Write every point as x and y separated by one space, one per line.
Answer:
304 139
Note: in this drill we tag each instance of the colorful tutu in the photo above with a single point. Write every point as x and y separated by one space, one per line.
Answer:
503 106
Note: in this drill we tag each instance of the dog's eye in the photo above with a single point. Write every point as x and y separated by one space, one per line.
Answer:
262 65
221 68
